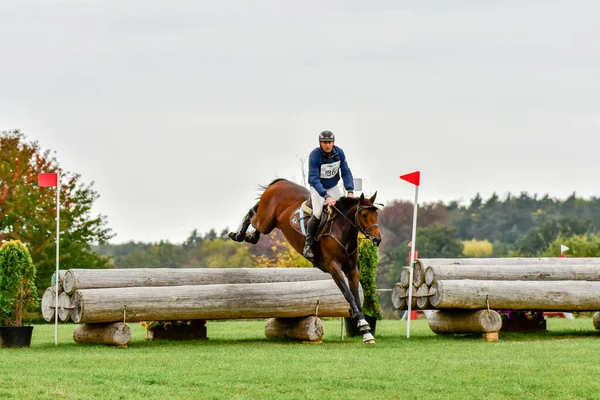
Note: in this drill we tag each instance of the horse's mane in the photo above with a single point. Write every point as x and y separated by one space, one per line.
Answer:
346 203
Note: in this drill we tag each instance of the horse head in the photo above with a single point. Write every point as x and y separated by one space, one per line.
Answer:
366 218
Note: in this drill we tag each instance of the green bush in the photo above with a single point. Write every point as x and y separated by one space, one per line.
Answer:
17 282
367 265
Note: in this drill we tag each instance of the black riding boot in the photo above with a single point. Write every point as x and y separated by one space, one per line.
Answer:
311 230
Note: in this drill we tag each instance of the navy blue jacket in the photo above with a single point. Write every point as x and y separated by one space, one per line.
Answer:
324 170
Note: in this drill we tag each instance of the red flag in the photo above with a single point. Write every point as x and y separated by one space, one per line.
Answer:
47 180
413 177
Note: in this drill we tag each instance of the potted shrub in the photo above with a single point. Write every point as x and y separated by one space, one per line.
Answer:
368 258
17 292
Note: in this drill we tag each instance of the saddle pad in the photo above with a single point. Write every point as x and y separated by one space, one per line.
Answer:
299 220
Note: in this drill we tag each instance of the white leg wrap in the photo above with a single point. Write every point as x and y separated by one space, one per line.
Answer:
361 323
368 338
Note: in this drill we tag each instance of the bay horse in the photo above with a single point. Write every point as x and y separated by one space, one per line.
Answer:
336 252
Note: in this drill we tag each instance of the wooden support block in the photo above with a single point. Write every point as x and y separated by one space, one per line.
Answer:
115 334
490 336
307 329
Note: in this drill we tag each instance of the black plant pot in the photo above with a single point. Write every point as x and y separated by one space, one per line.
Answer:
15 336
352 329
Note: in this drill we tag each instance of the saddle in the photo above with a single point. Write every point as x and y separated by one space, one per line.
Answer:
299 219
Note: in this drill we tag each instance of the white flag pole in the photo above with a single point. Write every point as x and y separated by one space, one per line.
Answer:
412 259
57 247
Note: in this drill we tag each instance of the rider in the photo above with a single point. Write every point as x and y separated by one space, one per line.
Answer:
324 166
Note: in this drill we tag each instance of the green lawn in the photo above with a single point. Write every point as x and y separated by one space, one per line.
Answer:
239 362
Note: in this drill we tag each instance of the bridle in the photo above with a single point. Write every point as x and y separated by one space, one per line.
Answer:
356 224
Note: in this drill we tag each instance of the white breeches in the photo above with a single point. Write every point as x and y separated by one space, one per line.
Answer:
318 201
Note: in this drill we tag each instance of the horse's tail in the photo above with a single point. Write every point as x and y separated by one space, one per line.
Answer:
262 188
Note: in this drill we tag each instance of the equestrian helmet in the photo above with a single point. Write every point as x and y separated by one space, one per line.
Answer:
326 136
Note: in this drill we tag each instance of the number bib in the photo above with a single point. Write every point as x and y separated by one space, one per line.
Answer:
330 170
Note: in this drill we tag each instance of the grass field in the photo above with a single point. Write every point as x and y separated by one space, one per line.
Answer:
239 362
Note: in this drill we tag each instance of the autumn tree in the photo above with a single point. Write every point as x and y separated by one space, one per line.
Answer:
28 212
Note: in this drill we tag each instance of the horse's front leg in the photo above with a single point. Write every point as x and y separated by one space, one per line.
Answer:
354 300
363 325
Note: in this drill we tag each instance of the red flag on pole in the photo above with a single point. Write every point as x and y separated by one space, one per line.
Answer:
47 180
413 177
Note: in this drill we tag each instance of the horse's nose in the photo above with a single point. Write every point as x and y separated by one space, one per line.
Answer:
376 241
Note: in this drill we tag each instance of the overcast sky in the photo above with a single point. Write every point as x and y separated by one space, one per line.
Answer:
178 110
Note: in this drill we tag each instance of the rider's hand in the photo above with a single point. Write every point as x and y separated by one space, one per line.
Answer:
350 194
330 201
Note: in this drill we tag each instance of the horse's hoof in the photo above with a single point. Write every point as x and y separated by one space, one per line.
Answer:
368 338
232 235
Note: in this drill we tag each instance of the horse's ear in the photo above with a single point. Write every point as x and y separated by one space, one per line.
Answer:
362 197
372 198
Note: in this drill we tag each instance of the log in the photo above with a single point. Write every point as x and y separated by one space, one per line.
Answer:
525 272
399 296
48 304
427 262
61 277
464 321
413 304
422 296
405 276
144 277
418 274
64 306
174 303
596 320
516 295
307 328
115 334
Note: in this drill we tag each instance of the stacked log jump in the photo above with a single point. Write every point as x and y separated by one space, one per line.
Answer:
97 299
519 284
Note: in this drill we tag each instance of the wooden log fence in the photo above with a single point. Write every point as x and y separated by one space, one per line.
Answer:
520 284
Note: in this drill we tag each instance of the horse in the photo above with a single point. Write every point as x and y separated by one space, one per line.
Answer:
336 251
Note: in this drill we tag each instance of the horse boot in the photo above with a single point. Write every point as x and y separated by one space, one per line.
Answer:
311 231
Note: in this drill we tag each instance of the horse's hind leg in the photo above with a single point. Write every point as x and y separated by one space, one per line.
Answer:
240 234
253 237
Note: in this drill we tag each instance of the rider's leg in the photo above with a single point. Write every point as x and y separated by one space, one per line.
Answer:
311 231
313 223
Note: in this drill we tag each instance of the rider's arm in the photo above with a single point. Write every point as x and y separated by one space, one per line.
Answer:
314 172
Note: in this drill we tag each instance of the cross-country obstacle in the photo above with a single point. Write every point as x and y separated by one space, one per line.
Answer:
99 300
459 289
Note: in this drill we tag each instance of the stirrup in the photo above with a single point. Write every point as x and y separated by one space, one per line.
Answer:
308 252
